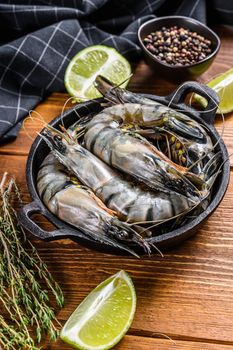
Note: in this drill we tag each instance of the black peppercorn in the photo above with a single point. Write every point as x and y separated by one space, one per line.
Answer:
178 46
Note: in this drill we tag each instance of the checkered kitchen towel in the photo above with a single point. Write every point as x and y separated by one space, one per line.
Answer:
38 39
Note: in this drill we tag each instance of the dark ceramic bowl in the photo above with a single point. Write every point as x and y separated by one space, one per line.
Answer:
39 151
178 72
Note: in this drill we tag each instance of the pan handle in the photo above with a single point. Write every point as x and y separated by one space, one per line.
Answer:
178 97
24 217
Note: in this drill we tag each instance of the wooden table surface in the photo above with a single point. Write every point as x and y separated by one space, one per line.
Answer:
188 294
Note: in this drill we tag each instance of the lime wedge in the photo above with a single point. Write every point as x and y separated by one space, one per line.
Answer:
90 62
104 316
223 85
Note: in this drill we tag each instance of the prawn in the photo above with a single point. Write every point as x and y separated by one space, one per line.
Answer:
78 206
136 156
131 202
194 144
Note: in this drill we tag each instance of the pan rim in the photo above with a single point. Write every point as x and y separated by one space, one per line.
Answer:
170 238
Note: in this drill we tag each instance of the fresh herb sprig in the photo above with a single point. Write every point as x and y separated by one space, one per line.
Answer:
23 299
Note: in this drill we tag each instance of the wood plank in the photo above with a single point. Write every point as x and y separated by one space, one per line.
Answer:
188 293
44 113
144 80
131 342
48 111
143 343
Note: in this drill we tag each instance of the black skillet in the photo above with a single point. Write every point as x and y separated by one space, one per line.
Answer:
39 150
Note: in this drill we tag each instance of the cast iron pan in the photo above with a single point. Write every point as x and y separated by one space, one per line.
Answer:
39 151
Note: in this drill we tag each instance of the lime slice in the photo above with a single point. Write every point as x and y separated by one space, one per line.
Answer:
104 316
90 62
223 85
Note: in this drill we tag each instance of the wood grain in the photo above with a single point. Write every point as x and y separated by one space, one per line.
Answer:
141 343
144 80
44 113
186 295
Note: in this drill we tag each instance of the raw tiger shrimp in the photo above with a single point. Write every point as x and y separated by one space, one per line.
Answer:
179 150
131 202
173 146
78 206
136 156
193 142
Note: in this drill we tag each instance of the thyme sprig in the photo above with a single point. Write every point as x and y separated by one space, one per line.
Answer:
24 302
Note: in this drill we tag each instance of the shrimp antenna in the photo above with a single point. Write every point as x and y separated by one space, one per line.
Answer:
216 143
58 132
174 217
30 117
209 110
206 111
180 175
165 336
171 218
25 129
141 241
75 99
206 153
156 248
201 201
63 109
174 135
121 83
210 97
76 112
66 132
219 170
112 86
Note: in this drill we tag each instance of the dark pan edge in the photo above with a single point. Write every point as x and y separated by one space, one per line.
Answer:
166 240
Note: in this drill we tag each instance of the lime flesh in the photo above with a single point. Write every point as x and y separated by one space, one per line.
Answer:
104 316
223 85
90 62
